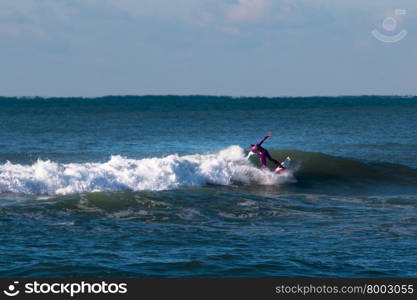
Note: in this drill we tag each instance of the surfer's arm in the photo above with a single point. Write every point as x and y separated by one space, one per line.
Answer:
263 140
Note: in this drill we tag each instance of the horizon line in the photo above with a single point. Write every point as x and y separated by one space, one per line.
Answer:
211 96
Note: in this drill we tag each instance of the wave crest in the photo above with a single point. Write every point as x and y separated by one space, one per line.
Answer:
228 166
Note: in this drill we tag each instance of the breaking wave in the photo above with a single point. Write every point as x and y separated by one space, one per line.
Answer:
227 167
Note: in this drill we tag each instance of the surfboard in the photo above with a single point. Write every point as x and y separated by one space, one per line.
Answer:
286 163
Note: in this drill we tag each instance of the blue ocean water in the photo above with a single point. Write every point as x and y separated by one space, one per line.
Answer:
161 186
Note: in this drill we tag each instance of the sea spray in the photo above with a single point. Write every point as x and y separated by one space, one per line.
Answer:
228 166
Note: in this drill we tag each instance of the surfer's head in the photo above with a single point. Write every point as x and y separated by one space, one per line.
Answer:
253 148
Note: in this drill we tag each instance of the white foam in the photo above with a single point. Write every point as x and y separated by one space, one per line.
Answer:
229 166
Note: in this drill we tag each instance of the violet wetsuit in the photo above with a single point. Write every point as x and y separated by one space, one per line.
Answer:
263 153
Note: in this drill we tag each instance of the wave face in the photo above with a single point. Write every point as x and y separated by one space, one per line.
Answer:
227 167
321 167
224 168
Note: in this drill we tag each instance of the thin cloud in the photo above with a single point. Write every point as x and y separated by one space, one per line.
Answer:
249 10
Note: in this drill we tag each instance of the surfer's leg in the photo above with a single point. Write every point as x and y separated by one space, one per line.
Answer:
277 163
262 159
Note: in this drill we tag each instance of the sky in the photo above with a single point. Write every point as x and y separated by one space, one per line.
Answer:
268 48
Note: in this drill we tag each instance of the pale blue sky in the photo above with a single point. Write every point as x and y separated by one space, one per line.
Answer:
216 47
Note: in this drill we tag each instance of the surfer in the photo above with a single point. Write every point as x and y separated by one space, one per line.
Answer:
263 153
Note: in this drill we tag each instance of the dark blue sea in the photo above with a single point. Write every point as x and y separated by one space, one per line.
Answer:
158 186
